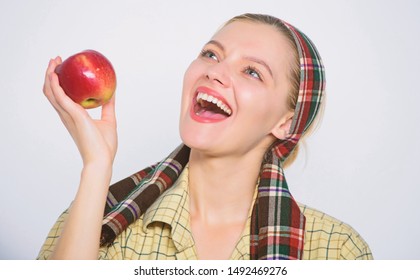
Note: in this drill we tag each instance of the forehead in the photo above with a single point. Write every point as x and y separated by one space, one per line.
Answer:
258 40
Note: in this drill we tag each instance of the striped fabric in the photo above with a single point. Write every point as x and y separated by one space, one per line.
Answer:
128 199
277 225
164 233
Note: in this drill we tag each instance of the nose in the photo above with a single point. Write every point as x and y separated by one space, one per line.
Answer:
218 73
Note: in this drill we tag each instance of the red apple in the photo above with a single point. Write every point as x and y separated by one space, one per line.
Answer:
88 78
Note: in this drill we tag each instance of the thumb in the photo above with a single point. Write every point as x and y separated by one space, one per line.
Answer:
108 111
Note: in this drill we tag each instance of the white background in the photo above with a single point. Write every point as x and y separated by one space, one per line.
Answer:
361 166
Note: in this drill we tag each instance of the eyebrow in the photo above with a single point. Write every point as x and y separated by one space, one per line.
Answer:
261 62
251 58
217 43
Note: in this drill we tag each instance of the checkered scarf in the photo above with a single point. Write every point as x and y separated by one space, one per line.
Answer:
277 224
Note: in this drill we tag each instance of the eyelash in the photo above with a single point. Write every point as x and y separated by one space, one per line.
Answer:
208 54
247 70
250 69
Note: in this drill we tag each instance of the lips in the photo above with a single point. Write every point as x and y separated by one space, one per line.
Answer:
209 106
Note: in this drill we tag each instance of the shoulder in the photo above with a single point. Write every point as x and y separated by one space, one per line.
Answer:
329 238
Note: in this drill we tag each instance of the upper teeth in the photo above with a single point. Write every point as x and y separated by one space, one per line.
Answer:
214 100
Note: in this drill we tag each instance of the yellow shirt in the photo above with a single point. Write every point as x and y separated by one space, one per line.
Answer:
164 232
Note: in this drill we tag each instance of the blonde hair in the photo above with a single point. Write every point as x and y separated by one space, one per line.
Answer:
294 75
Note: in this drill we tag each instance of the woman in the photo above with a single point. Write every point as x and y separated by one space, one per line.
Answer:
248 98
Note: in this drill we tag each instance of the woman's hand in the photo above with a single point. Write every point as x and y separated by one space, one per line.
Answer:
95 139
97 144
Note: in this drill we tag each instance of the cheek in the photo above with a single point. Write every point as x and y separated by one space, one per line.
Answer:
260 108
193 72
187 86
191 76
253 100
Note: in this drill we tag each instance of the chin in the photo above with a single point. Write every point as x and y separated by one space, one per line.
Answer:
205 137
201 141
194 140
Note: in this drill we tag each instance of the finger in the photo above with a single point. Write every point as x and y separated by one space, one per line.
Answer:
46 89
65 103
48 92
73 115
53 85
108 111
58 60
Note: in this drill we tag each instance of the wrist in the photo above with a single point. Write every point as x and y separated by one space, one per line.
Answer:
98 166
100 172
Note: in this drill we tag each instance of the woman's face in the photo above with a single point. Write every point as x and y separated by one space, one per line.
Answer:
235 93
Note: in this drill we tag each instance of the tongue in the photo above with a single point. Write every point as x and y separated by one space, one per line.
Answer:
202 112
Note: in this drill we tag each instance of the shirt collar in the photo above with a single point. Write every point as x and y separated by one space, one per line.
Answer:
172 208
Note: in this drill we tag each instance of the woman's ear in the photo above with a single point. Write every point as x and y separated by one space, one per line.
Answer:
282 128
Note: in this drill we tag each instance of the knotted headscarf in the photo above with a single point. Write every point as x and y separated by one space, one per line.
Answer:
277 224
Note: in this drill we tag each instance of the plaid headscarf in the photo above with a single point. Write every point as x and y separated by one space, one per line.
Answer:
277 224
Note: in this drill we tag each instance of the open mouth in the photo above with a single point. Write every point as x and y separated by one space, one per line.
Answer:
207 106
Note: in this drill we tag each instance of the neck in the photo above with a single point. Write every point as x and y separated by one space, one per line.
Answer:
222 188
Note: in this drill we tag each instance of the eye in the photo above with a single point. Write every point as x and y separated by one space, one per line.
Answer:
253 72
209 54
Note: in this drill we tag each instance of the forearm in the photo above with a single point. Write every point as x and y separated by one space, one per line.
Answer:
82 229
